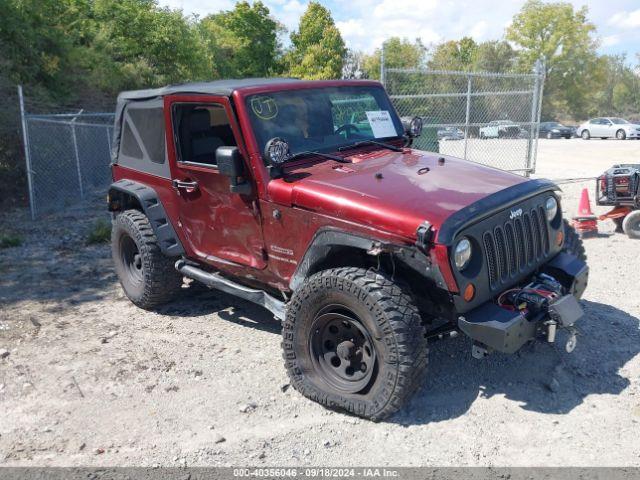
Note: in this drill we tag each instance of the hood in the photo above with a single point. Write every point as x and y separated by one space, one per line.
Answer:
391 191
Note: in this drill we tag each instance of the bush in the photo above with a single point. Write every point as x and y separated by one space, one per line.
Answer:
9 240
100 232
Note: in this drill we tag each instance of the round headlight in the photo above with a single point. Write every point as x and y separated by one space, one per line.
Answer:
415 127
276 151
551 206
462 253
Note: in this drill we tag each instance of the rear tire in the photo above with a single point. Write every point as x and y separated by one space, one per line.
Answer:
631 224
343 318
585 135
572 242
147 277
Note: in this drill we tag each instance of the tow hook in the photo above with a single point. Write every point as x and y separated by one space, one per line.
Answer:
552 327
572 341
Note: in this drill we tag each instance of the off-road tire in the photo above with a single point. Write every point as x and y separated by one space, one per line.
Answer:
631 224
572 242
621 135
389 315
153 279
585 135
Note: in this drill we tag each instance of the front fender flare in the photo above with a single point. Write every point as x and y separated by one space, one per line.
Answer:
327 238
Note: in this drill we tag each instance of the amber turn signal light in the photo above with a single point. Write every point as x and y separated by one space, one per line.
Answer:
559 238
469 292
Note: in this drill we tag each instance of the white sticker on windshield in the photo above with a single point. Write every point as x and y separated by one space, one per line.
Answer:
381 124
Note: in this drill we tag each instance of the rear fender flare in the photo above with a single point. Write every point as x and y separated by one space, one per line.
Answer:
125 194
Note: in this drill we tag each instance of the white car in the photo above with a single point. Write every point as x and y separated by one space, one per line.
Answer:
609 127
500 129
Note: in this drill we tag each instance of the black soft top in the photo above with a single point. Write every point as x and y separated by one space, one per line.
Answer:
153 97
218 87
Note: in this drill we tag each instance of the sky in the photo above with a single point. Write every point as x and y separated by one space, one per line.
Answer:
365 24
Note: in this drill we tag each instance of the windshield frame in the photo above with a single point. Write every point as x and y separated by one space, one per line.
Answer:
241 97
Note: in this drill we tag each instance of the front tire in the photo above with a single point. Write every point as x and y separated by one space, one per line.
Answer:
621 134
353 340
572 242
631 224
147 277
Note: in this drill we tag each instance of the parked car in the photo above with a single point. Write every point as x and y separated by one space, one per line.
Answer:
500 129
555 130
609 127
365 248
450 133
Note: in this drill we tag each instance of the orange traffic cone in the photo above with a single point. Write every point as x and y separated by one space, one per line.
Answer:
585 222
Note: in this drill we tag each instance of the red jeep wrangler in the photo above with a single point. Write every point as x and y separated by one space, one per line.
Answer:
306 198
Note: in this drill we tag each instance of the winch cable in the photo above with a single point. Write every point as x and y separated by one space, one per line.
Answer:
561 181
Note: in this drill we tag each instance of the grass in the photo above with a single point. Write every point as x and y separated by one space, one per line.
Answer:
100 232
9 240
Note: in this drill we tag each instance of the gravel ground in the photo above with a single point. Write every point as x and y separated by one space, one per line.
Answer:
88 379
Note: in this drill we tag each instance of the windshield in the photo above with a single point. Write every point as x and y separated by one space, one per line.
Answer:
555 124
618 121
323 119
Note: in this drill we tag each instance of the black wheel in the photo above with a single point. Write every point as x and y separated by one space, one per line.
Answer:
549 135
631 224
147 277
573 243
621 134
353 340
585 135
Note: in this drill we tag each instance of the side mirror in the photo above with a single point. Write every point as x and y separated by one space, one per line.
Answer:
230 164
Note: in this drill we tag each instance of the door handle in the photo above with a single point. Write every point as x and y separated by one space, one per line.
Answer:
188 186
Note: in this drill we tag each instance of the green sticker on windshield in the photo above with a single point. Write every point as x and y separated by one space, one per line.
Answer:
264 107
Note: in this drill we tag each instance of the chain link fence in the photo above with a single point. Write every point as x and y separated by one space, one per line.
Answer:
489 118
67 157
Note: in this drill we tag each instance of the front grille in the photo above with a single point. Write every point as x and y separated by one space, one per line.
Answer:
516 246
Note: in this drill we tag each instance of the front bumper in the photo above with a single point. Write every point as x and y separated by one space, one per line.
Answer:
506 331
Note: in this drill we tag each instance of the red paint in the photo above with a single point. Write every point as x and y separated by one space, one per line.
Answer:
383 195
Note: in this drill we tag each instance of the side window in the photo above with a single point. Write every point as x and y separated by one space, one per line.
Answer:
200 130
143 142
149 122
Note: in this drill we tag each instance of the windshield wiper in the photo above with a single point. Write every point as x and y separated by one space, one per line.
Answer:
370 142
319 154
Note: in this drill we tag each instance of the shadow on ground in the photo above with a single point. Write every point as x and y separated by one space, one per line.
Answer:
541 377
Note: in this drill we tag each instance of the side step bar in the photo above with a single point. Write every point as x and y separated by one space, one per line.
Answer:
214 280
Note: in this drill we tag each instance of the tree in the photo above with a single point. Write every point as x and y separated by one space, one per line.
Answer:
243 42
353 64
318 50
618 91
563 38
139 43
466 54
398 53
